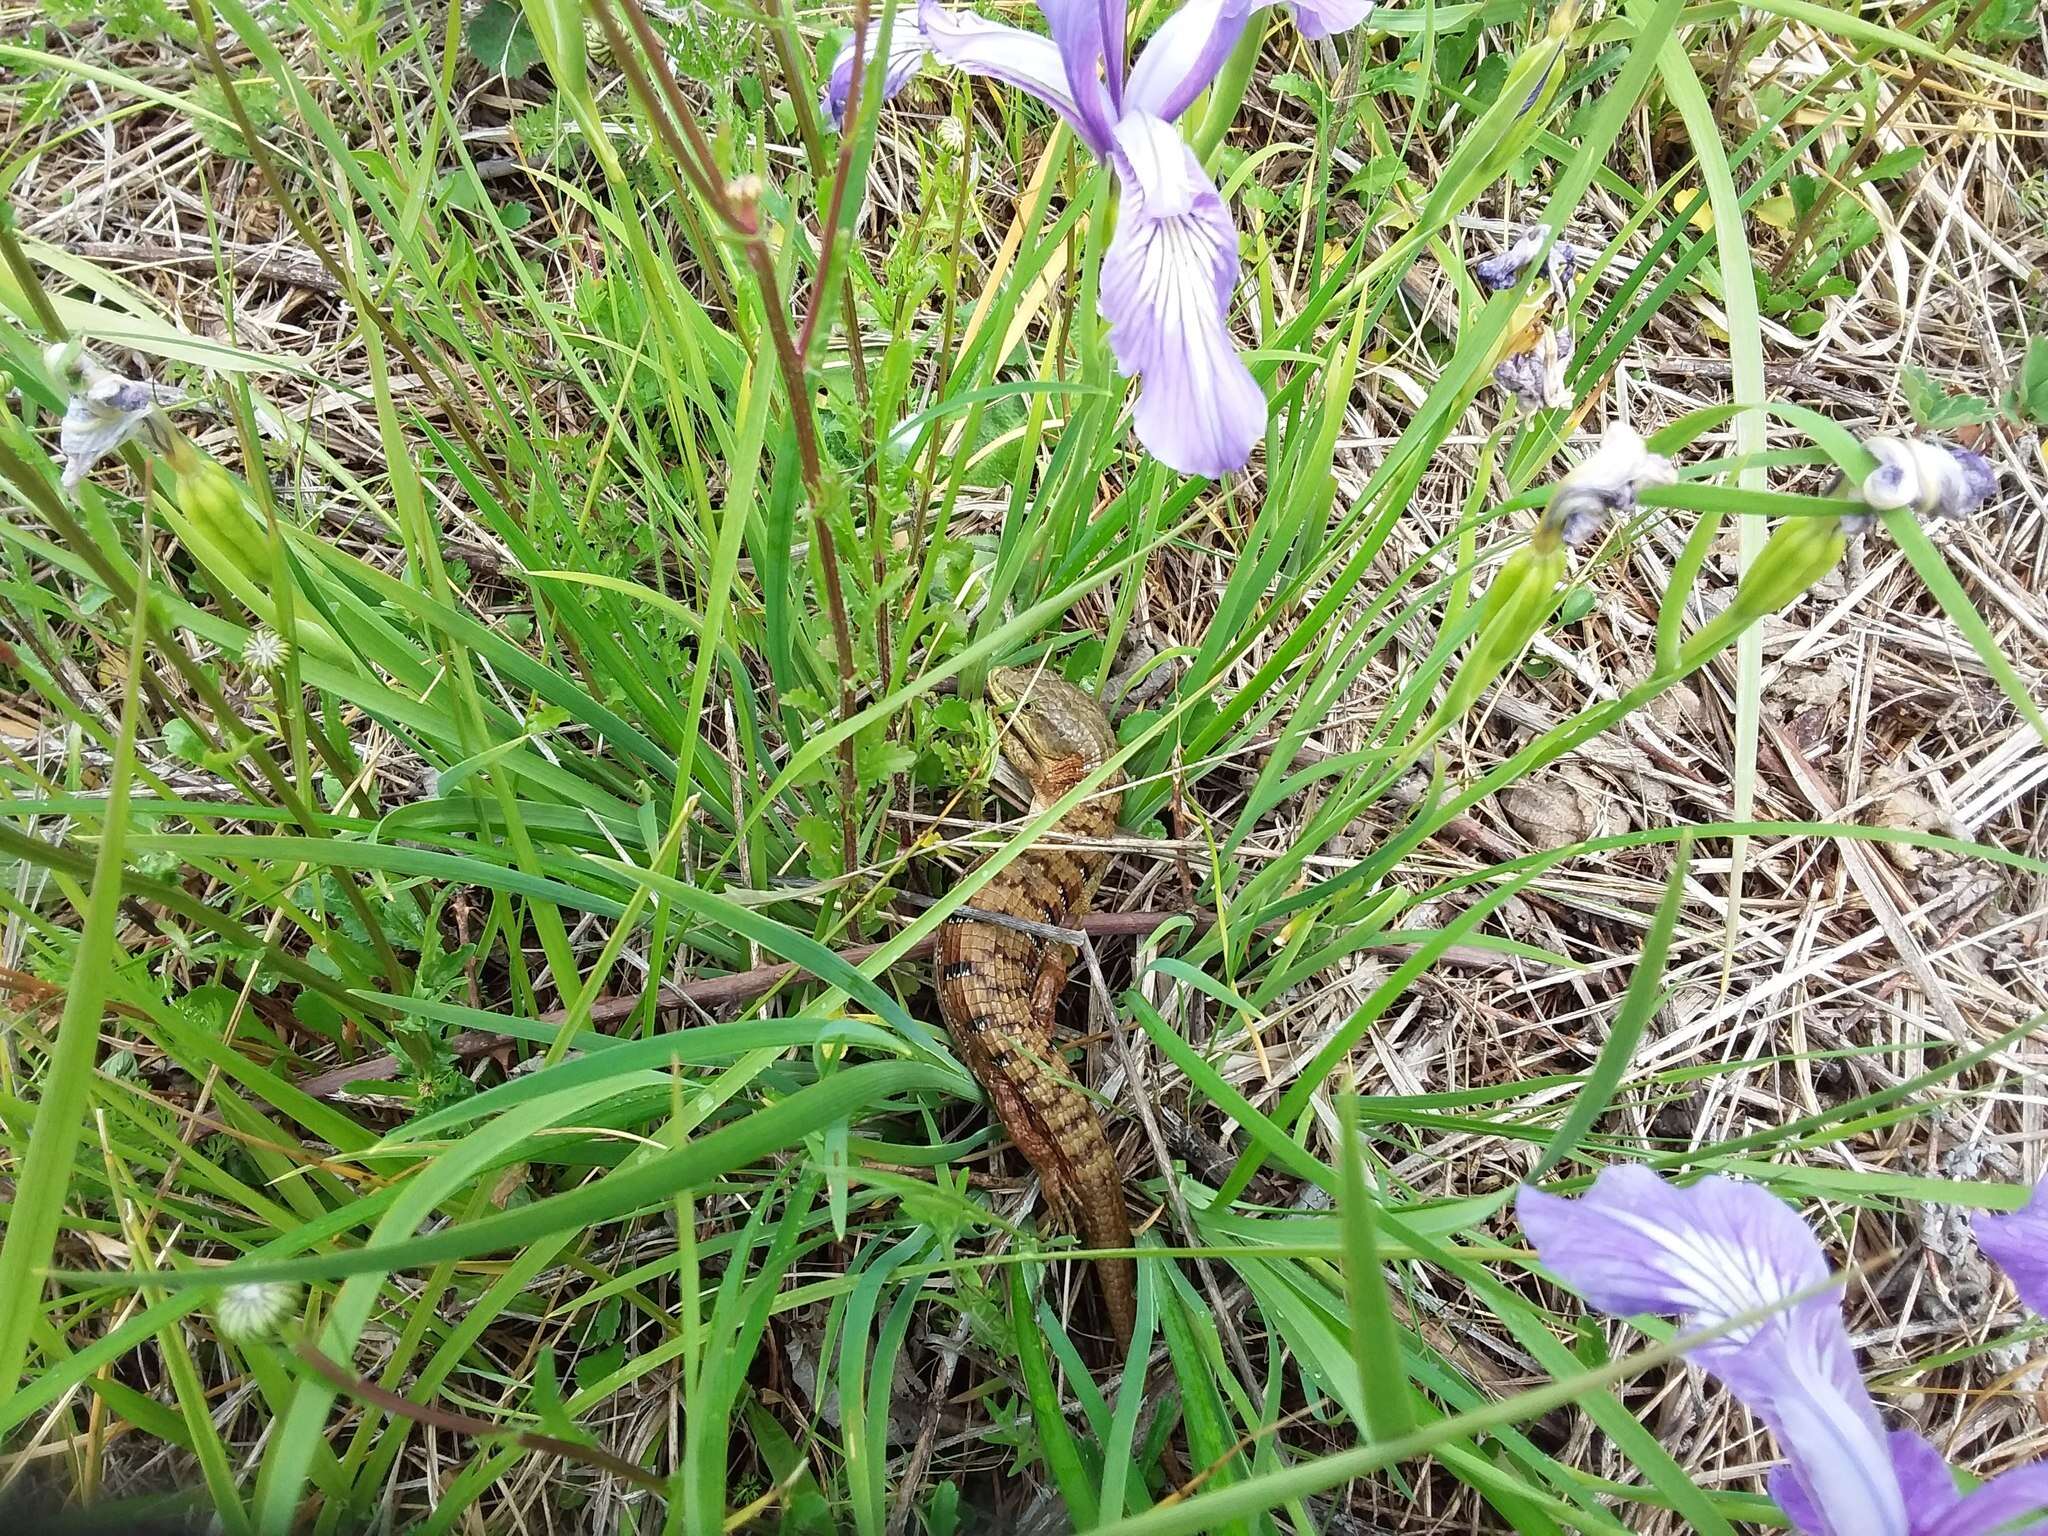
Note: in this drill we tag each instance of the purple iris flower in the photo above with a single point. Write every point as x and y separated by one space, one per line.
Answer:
1172 264
2018 1243
906 56
1718 1249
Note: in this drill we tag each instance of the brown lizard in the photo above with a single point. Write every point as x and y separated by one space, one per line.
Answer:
998 986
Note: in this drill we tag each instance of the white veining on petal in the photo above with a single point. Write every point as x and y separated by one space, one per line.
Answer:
1166 283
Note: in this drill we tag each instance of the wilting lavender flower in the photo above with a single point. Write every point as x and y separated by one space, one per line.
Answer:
1933 478
1536 377
1720 1249
1502 270
104 410
2018 1243
1172 264
1604 484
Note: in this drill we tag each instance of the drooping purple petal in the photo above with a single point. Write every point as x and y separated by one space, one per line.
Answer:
2000 1508
906 56
103 410
1934 478
1182 57
2018 1244
1503 269
1326 18
1167 278
1076 27
1536 377
1604 484
1713 1251
1027 60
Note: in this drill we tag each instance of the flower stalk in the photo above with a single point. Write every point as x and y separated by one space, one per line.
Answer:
737 207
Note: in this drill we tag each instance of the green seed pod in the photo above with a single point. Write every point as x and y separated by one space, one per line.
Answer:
208 495
1798 554
1515 605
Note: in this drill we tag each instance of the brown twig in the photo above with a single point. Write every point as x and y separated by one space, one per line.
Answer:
342 1379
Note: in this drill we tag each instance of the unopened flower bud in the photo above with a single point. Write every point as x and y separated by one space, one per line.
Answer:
1520 597
1798 553
208 495
952 136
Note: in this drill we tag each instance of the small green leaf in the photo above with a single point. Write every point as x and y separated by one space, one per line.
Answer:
2028 398
184 743
1934 407
499 39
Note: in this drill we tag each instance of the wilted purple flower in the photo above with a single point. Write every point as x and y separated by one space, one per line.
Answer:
1502 270
1536 377
2018 1244
1604 484
1172 264
1933 478
103 411
1720 1249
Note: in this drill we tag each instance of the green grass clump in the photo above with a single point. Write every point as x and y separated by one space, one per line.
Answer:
564 594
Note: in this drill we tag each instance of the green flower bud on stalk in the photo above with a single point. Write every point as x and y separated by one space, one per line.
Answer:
208 495
1797 554
1520 598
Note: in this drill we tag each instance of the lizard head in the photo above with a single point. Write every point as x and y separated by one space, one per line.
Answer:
1054 732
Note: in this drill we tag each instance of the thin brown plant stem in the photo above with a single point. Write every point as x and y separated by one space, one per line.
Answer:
835 204
742 216
948 322
698 179
701 157
856 355
842 636
342 1379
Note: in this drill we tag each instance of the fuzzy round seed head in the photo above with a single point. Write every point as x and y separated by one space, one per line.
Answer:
247 1313
265 650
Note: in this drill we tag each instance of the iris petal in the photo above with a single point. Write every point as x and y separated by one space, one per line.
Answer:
1167 278
906 56
1027 60
1076 27
2019 1244
1713 1251
1182 57
1326 18
2001 1507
